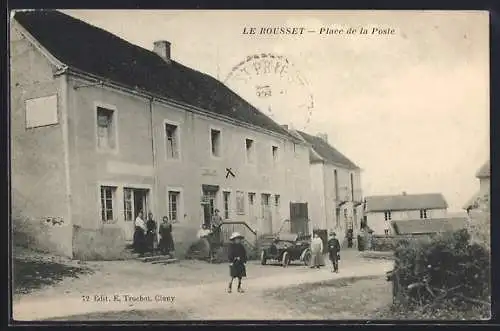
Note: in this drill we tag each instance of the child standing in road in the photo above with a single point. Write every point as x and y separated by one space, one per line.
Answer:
237 258
333 251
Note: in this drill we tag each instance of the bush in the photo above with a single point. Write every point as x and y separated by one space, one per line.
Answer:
383 243
479 222
446 268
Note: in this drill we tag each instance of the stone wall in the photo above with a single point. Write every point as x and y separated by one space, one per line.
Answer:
106 243
48 234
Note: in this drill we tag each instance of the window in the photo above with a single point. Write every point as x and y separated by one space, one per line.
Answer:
275 153
355 217
108 194
423 213
41 111
171 141
226 200
336 184
240 203
251 199
250 150
352 187
265 203
364 222
173 205
215 138
106 129
387 215
277 201
127 204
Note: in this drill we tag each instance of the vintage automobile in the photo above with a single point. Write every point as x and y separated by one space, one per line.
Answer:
285 248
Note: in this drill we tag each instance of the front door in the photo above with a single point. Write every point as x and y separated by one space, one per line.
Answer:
267 214
252 214
299 217
134 200
209 202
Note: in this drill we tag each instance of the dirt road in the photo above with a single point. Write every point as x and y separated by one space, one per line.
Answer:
206 300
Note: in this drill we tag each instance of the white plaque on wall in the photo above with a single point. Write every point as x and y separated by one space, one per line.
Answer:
41 111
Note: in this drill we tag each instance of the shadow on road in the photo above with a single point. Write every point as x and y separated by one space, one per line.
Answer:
31 275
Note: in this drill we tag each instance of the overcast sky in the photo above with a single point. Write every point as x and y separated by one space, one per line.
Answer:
411 109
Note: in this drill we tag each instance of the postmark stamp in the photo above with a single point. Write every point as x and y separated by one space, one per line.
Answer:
273 84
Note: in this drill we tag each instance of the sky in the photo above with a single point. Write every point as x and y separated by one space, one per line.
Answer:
410 108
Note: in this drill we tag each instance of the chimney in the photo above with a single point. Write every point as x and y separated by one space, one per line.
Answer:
162 48
284 126
404 193
323 136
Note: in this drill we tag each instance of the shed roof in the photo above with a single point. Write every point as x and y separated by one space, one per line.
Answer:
428 226
377 203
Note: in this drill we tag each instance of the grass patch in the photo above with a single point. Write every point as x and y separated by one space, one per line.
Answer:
444 311
30 275
355 298
129 315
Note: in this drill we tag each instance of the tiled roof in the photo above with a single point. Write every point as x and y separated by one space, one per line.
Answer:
427 226
323 151
95 51
405 202
484 171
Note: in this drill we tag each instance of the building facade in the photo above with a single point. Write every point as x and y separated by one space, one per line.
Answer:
95 146
336 195
380 211
483 174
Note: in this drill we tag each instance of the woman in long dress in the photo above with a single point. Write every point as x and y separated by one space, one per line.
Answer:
151 232
140 234
166 238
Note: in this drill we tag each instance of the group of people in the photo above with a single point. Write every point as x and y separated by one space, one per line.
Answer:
237 256
317 251
146 235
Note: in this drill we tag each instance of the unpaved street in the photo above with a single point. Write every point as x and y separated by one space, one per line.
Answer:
190 287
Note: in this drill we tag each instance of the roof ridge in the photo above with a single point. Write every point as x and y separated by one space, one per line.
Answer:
333 155
101 53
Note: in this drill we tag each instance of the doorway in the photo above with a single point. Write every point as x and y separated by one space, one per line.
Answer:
134 200
209 202
299 218
267 214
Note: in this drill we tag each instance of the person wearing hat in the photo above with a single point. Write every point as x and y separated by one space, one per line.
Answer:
333 251
237 256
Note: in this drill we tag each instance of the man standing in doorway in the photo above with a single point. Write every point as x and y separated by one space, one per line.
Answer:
216 226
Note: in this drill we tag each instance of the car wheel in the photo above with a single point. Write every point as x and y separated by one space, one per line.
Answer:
307 258
285 261
263 258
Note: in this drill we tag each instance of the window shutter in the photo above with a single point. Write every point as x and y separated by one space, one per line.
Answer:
175 151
